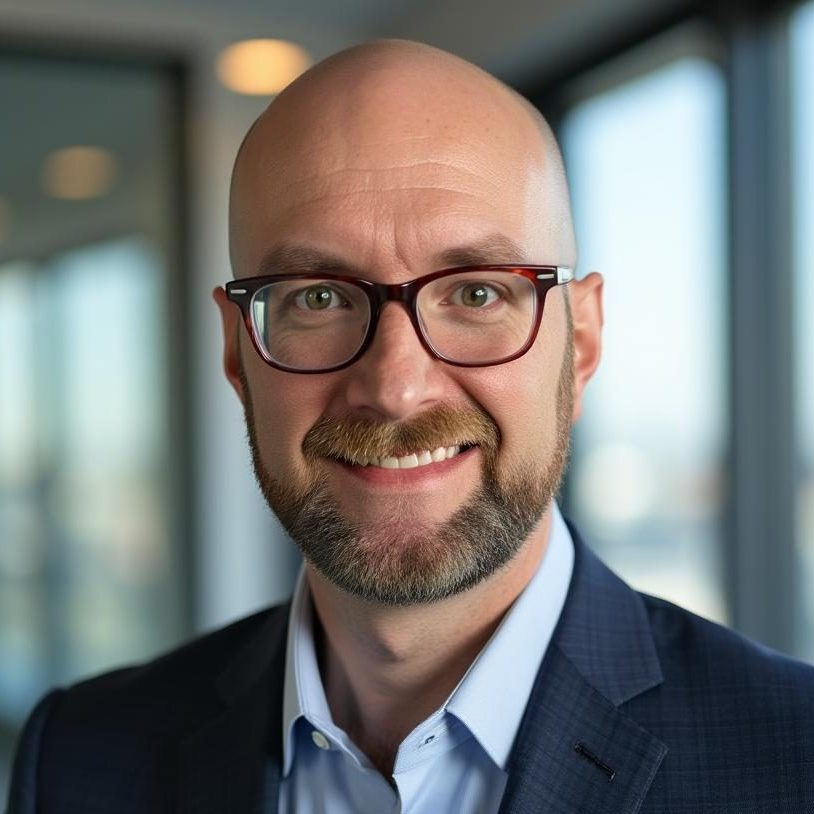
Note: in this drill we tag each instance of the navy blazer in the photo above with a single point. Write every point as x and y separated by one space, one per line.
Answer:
639 706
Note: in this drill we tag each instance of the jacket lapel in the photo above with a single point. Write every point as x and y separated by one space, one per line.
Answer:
576 750
231 763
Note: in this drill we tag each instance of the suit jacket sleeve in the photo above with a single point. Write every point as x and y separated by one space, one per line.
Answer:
24 776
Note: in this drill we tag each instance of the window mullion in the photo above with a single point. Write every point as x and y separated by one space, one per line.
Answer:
760 533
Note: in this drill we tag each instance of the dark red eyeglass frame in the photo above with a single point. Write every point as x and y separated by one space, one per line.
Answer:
241 292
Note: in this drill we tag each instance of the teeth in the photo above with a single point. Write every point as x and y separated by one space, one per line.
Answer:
413 460
408 462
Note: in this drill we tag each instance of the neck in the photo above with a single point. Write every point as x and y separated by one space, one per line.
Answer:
386 669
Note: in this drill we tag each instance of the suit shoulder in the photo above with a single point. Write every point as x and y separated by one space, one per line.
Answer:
128 721
737 719
693 648
178 679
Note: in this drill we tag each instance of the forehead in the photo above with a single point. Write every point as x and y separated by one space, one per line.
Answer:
388 181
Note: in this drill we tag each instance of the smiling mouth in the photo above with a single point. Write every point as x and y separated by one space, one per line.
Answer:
411 460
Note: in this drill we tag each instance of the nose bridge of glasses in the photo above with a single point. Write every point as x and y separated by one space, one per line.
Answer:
394 292
403 293
384 293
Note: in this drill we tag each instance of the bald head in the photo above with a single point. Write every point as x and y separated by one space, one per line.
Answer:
374 136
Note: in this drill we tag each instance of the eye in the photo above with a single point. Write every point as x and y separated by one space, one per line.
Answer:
474 295
319 298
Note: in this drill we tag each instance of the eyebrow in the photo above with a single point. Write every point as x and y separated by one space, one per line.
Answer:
494 249
292 258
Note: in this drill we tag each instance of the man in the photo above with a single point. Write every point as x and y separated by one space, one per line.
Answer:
411 350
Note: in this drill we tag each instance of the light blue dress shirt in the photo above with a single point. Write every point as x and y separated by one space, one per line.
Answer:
454 761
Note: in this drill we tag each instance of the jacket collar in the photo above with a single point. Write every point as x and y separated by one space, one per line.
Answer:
605 631
231 763
576 750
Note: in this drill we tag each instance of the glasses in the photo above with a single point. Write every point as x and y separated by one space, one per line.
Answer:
472 316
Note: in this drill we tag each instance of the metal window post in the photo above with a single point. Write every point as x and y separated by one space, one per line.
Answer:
760 526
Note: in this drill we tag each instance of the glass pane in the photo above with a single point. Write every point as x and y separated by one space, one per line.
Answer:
22 530
110 477
88 564
803 134
646 163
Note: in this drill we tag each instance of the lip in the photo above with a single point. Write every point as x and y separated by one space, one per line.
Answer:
405 478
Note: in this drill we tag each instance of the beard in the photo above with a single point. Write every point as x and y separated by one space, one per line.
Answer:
403 560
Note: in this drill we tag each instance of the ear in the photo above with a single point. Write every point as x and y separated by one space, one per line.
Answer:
231 319
586 310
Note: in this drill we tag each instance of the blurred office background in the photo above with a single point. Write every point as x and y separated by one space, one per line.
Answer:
129 519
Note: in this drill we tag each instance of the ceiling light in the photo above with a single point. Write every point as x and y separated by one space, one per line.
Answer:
261 67
76 173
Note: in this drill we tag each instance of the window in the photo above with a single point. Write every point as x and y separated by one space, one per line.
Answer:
90 515
646 159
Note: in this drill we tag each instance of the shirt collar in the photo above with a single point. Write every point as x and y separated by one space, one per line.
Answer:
303 693
491 697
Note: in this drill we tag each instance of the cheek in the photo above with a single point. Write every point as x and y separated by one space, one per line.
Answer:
522 401
521 396
275 426
284 407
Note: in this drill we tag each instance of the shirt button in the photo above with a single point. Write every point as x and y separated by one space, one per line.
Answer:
320 740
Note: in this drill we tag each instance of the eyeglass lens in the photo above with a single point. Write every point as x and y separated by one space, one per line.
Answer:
475 317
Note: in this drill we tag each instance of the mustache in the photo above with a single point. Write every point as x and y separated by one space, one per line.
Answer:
350 438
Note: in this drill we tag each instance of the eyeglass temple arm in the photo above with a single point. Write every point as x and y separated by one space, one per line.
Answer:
565 274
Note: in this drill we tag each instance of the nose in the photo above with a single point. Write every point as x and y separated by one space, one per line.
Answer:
396 377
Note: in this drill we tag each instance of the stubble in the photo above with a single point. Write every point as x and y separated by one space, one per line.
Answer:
405 560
